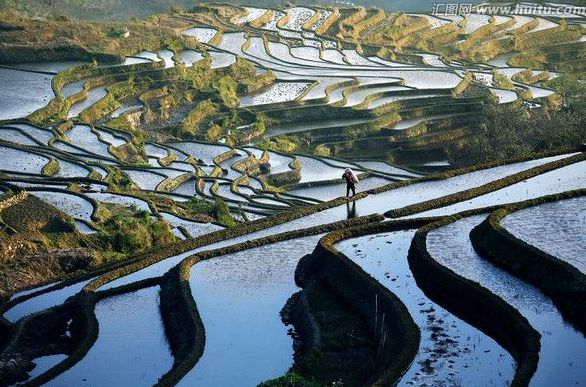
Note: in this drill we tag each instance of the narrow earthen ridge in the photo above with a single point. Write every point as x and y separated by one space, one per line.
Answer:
354 287
185 325
116 270
159 254
83 307
476 305
87 324
560 281
42 334
485 188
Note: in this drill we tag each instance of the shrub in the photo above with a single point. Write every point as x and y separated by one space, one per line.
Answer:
507 131
217 209
291 379
226 87
568 86
502 81
222 213
59 224
130 231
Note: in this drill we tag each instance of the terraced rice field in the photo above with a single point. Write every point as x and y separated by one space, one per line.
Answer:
449 347
210 307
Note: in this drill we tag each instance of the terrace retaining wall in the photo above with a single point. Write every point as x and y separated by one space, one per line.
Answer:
562 282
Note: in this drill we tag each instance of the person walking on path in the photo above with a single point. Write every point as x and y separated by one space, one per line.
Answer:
351 180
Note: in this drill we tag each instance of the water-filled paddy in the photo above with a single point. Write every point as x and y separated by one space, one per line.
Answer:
44 363
279 163
39 134
72 88
186 188
147 180
201 151
202 34
333 56
194 229
315 170
332 191
354 58
114 138
83 137
563 179
156 151
43 301
152 56
73 205
167 56
316 219
359 96
298 16
224 192
221 59
278 92
239 306
563 349
556 228
252 13
16 137
69 169
49 67
307 53
131 348
93 95
383 167
16 160
189 57
451 351
239 296
504 96
23 92
427 190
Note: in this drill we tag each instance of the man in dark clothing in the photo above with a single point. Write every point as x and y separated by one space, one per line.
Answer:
350 182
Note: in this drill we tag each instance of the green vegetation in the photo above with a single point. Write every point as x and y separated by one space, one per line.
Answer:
284 143
291 379
47 245
129 231
190 126
507 131
86 40
226 87
502 81
569 87
440 114
217 209
52 168
98 10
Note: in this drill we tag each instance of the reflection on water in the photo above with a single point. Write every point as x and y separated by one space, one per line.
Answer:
23 92
351 208
562 357
451 352
131 349
239 297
